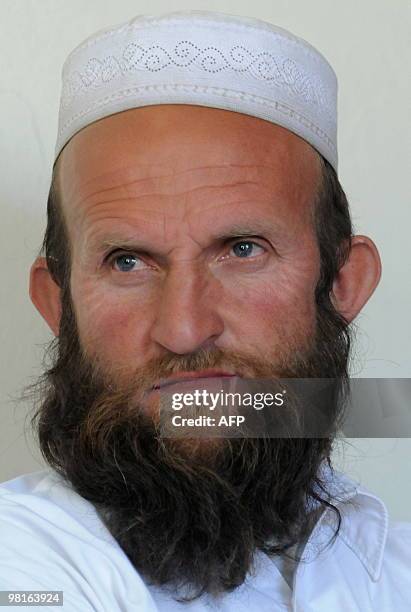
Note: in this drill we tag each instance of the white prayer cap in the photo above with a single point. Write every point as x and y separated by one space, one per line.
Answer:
205 58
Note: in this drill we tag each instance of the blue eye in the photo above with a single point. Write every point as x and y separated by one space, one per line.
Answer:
125 262
245 248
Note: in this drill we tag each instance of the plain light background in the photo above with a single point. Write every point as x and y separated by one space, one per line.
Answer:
365 42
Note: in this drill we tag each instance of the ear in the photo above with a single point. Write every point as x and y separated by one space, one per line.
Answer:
357 279
45 294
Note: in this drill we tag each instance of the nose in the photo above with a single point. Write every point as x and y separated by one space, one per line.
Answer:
187 318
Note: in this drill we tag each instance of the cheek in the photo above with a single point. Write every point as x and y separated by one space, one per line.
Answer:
111 326
278 307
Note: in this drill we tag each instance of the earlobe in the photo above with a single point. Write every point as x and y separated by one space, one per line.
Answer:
45 294
357 279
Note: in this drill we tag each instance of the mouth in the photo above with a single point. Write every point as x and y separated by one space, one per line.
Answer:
187 376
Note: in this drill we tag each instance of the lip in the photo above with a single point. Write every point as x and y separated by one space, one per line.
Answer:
182 376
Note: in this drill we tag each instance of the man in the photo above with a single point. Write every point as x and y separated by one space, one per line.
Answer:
196 229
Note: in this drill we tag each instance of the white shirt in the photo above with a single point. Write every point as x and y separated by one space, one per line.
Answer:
52 539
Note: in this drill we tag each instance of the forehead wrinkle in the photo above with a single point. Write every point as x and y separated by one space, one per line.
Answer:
147 215
129 231
170 187
185 193
95 236
103 212
263 187
195 201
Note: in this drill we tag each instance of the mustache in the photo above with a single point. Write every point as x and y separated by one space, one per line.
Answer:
242 364
118 397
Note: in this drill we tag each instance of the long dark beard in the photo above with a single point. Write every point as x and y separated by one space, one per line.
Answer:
186 520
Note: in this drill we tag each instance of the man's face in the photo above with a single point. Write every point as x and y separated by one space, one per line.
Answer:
208 216
212 262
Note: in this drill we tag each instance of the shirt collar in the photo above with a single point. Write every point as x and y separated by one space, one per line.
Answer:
364 519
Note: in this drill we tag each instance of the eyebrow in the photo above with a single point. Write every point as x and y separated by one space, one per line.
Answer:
253 228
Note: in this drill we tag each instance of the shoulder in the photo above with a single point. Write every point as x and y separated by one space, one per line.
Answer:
393 589
383 546
397 551
382 543
372 551
52 539
33 555
42 504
